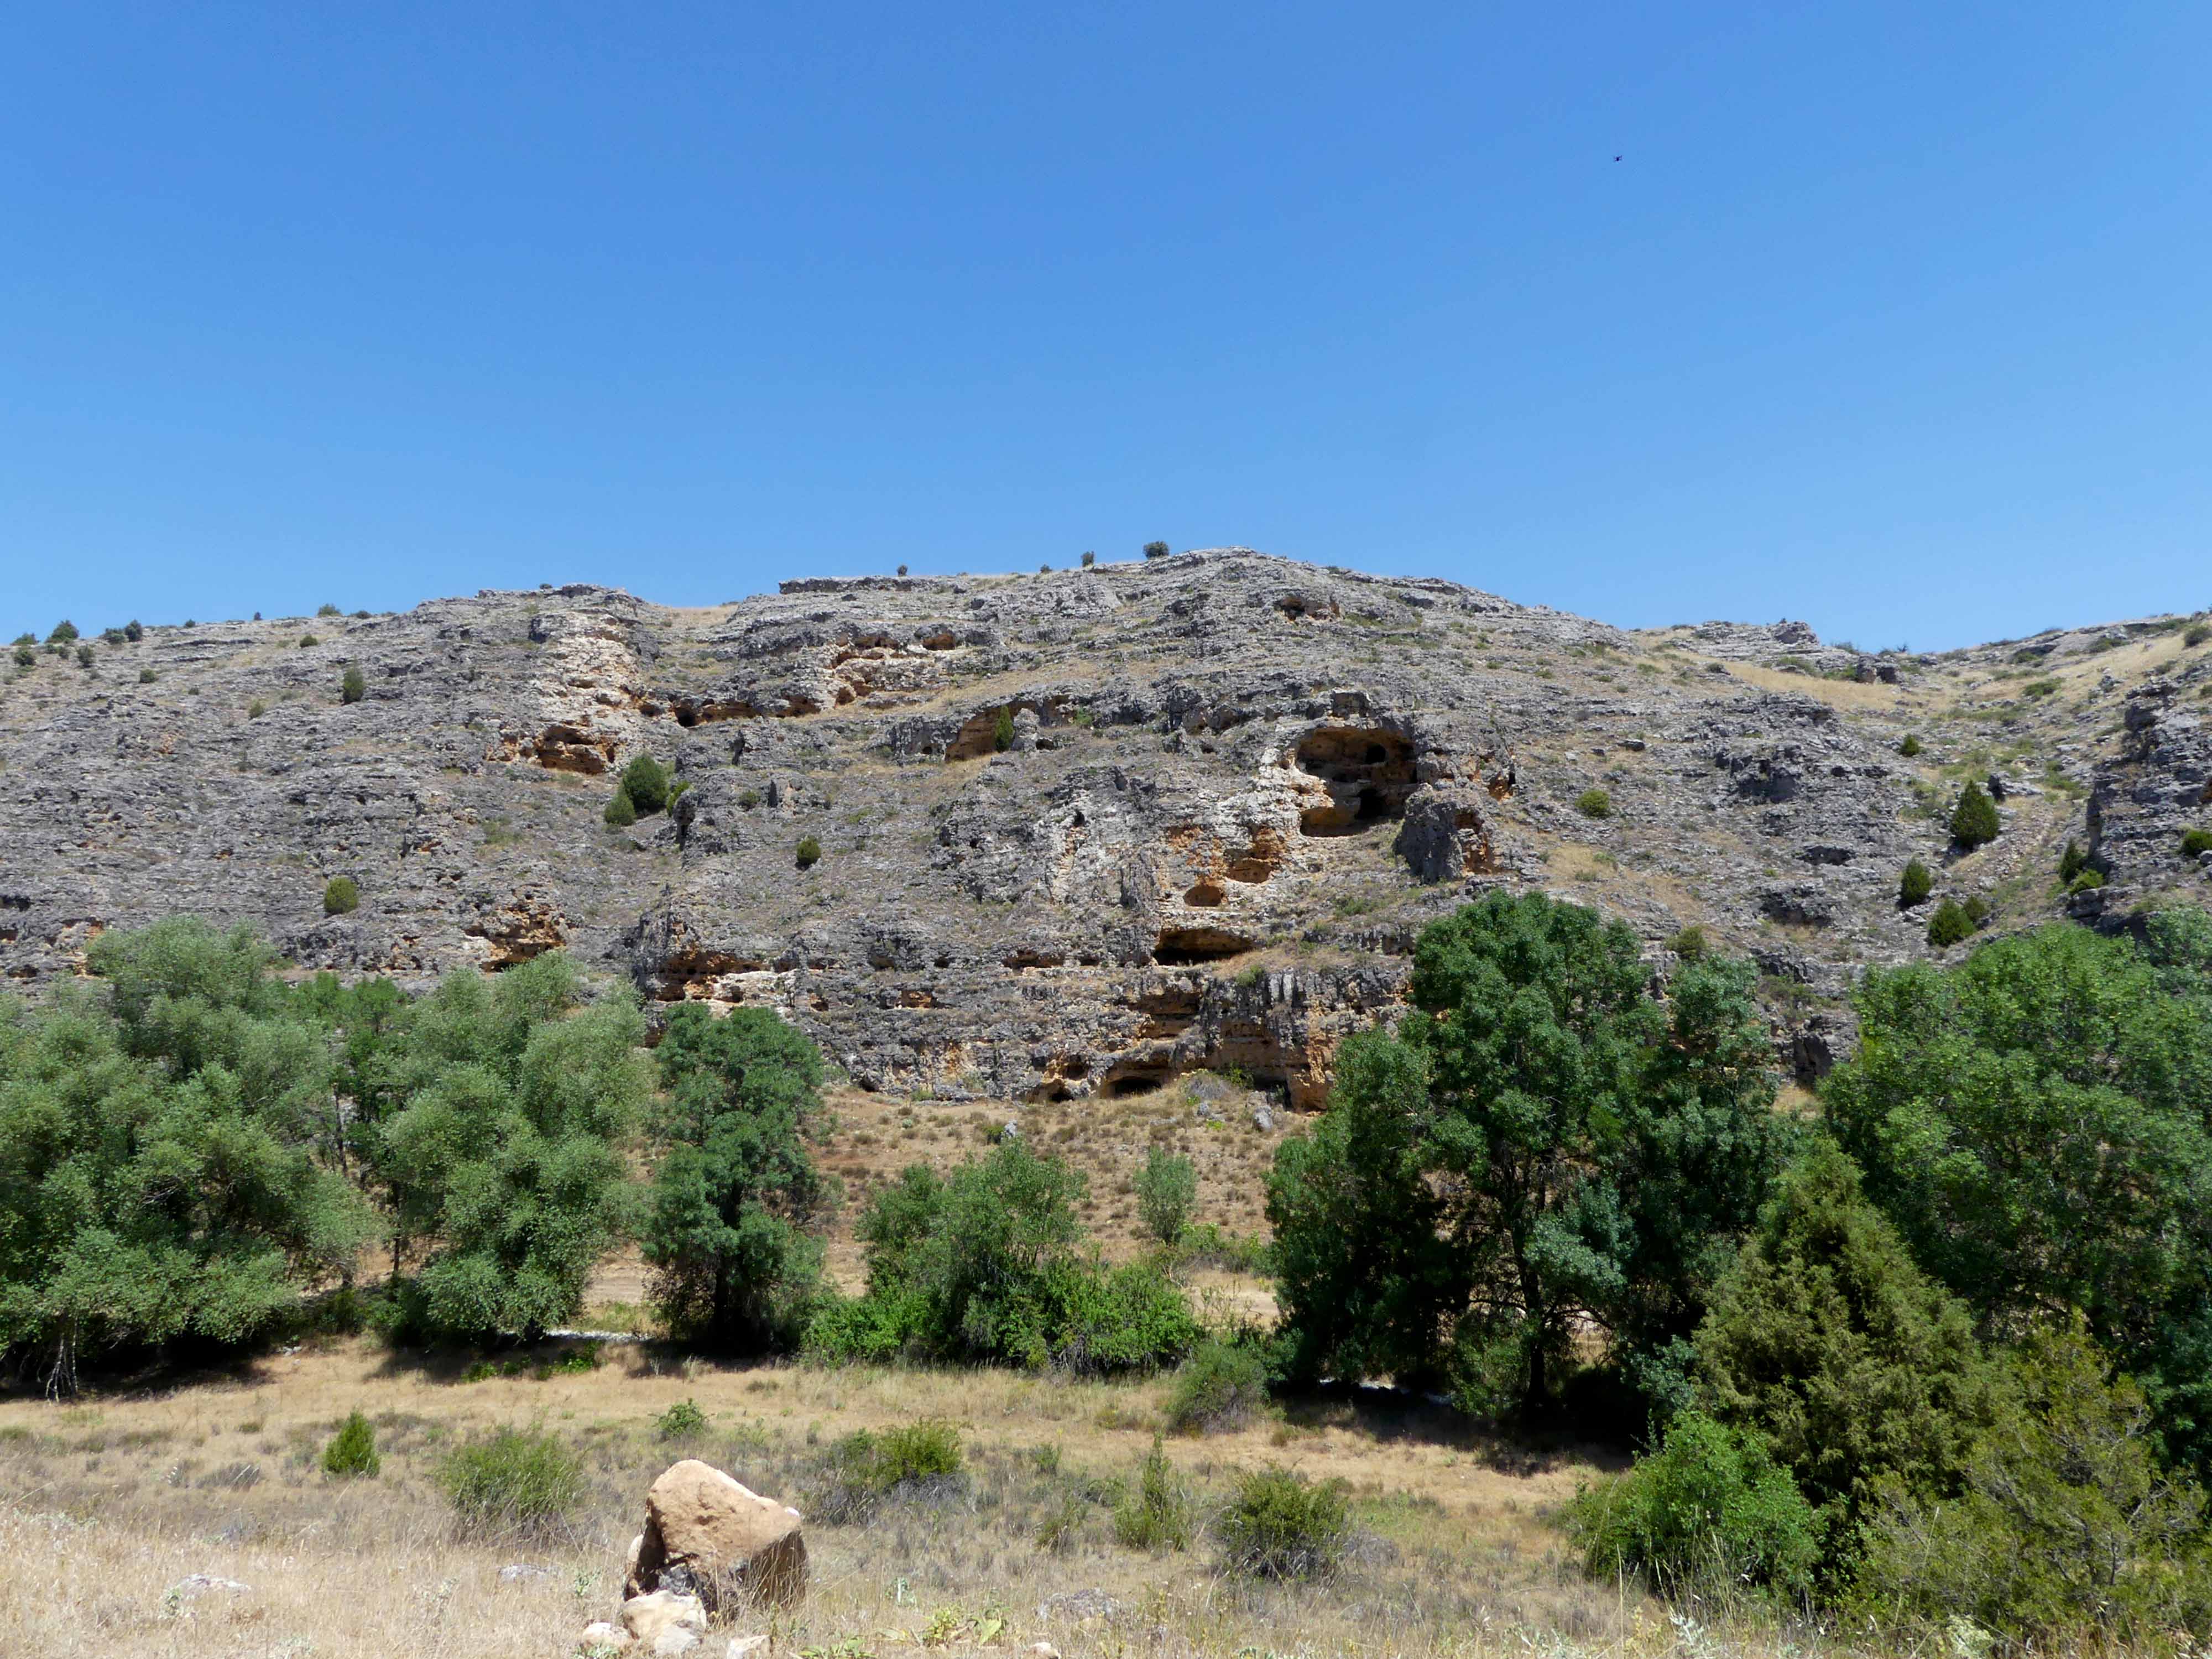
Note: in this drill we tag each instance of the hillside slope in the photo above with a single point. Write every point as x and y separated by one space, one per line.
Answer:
1231 789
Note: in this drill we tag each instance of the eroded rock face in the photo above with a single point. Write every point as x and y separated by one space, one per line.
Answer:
1079 832
708 1536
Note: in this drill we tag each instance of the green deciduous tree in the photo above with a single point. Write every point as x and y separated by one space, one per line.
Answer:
736 1187
504 1154
2035 1121
159 1175
1545 1141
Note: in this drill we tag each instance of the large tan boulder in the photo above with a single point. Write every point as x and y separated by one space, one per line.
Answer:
707 1535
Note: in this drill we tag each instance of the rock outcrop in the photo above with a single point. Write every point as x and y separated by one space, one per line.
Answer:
1081 831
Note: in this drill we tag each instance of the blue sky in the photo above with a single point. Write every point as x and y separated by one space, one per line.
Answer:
1891 317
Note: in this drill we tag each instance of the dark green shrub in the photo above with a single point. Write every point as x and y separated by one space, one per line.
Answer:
2042 688
328 611
1156 1516
1974 819
1218 1389
1090 559
147 676
1044 570
1167 1188
340 894
645 781
1914 884
1706 1511
1690 944
64 633
1593 803
2196 634
808 854
353 685
1950 925
1977 909
2195 843
352 1449
1911 746
1002 731
1156 549
2087 882
681 1421
26 657
2072 862
902 570
620 813
515 1482
84 656
1278 1525
27 639
134 631
2068 1527
307 639
1846 1362
748 798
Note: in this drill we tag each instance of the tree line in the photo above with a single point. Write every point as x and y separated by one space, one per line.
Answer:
191 1145
1939 1348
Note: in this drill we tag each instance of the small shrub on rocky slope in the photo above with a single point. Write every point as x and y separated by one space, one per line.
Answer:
809 852
621 811
681 1421
340 894
353 685
2195 843
1950 925
645 781
1974 819
1914 884
1593 803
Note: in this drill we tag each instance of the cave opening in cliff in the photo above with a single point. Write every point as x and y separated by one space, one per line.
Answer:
1181 946
1368 772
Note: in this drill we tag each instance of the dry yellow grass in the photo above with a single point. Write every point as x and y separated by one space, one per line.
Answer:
107 1506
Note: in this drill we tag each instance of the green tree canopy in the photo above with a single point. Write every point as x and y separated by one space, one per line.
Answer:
503 1155
736 1186
1545 1141
1847 1362
2035 1119
159 1175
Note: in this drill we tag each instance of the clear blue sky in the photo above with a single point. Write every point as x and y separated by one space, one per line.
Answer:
1894 317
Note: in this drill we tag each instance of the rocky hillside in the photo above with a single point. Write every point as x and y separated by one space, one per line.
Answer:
1082 830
